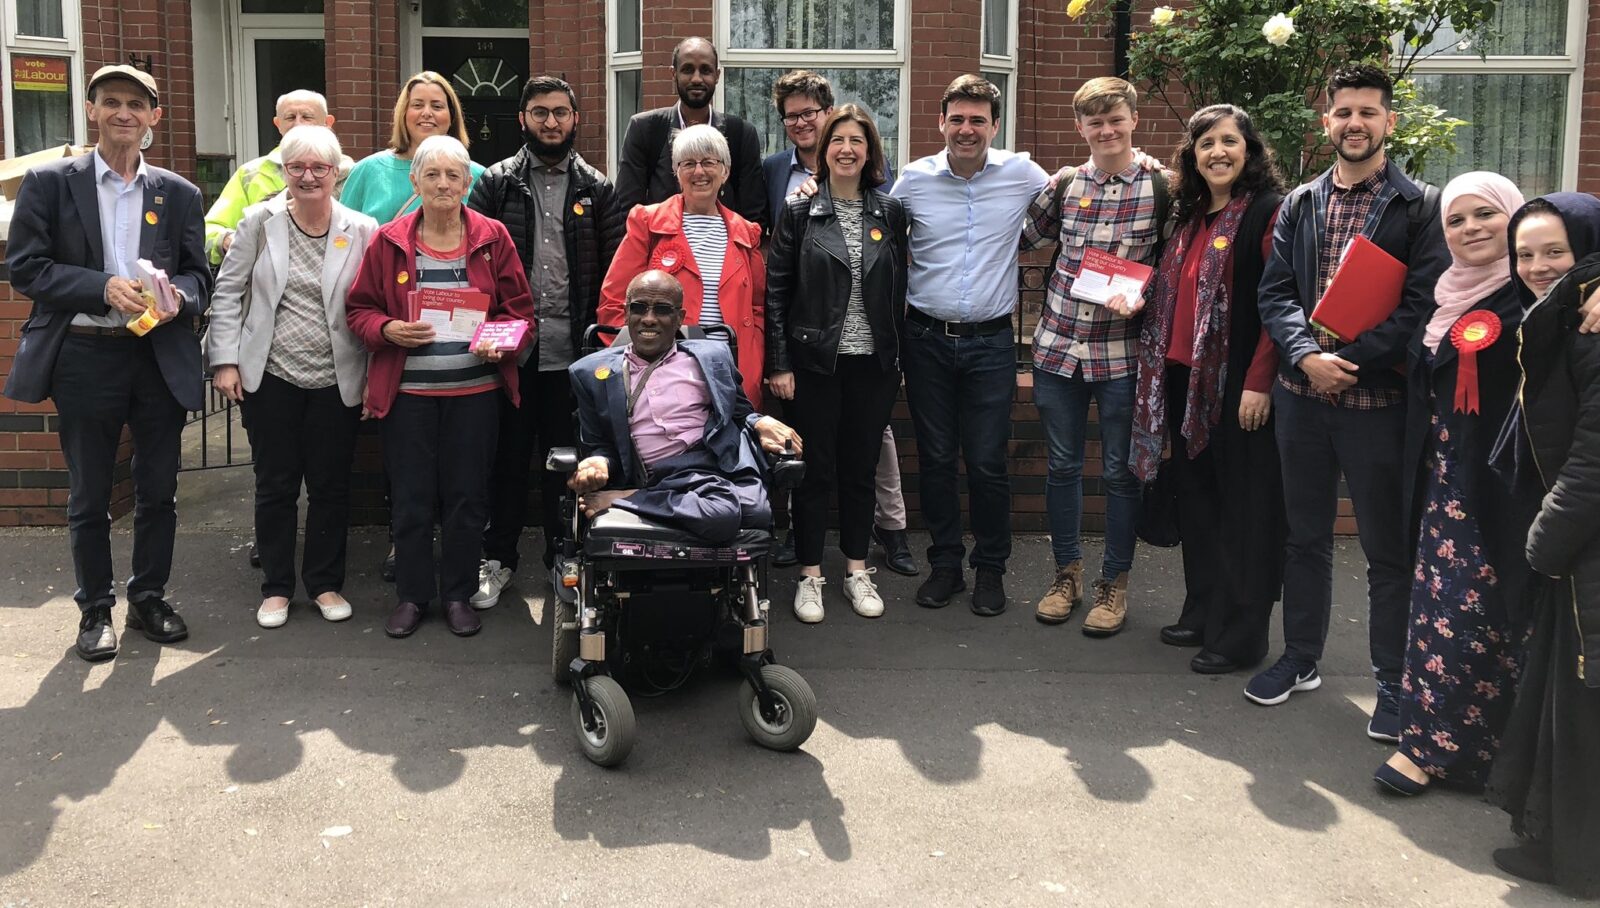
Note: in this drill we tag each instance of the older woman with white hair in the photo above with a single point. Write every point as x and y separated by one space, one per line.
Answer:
713 252
435 389
279 345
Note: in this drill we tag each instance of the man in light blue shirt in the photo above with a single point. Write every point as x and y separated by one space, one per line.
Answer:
967 206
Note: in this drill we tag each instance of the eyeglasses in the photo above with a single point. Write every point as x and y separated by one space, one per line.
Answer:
708 166
541 114
799 116
659 310
298 169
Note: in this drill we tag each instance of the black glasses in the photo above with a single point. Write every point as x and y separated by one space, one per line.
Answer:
541 114
806 115
297 169
659 310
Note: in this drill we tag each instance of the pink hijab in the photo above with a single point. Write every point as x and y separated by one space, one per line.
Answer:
1462 286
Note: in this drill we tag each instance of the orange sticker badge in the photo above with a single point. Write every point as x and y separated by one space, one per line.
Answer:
402 277
603 373
150 218
1220 242
1084 202
876 234
577 209
340 242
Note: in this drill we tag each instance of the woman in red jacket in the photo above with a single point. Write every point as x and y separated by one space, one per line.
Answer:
714 253
439 397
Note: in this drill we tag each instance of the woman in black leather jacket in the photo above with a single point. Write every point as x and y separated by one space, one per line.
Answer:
1548 773
836 296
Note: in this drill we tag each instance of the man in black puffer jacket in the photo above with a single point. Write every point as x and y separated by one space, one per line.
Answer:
562 215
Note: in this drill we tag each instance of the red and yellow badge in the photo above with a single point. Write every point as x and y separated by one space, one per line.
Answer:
341 241
876 234
668 257
150 218
603 373
1084 202
1220 243
577 209
1477 330
402 277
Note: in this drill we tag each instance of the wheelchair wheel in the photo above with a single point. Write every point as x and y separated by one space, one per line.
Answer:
563 639
614 733
797 709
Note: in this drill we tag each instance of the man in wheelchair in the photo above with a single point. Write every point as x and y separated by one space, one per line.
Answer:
663 421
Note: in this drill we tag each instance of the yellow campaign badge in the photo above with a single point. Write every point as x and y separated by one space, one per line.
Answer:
1084 202
603 373
1220 242
876 234
402 277
577 209
150 218
340 242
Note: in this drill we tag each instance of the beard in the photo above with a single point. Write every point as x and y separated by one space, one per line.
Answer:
1374 145
694 104
549 150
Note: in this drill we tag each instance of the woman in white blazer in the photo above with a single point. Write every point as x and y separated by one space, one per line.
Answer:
279 344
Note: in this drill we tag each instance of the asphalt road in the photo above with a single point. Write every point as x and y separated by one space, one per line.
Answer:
959 761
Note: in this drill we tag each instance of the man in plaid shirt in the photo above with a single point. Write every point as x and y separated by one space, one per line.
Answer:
1083 350
1341 406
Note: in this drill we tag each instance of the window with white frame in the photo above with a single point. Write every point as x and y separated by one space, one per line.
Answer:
857 45
624 72
999 61
1521 103
42 84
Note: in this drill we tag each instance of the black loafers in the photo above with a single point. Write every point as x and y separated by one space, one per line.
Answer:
97 642
156 620
896 551
462 619
1206 662
403 620
1178 635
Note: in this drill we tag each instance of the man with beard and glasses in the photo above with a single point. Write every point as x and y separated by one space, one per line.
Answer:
564 218
1341 405
644 169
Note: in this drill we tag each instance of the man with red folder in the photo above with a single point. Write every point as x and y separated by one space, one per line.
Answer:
1340 404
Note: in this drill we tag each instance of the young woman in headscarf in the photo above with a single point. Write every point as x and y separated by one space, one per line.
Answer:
1463 650
1548 773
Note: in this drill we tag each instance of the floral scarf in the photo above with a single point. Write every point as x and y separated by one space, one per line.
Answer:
1203 407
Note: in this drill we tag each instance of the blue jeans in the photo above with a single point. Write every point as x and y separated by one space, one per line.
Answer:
1064 409
960 391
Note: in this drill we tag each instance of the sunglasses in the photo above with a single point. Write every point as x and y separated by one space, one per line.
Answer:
659 310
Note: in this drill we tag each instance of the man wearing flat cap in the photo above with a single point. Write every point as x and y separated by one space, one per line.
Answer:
78 228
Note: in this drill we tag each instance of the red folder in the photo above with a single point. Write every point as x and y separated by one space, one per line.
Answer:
1365 291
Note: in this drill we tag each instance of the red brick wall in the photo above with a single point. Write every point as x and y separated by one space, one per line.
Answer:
1589 133
567 43
363 72
159 37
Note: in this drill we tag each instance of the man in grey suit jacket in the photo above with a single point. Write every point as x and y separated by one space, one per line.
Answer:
78 228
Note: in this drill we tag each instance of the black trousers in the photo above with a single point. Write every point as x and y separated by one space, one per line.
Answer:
527 433
1216 600
840 418
439 449
101 384
307 436
1316 442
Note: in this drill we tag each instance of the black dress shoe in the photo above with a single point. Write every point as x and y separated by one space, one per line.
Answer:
462 619
255 556
943 583
783 554
403 620
1529 861
387 571
97 642
896 551
988 594
156 620
1206 662
1178 635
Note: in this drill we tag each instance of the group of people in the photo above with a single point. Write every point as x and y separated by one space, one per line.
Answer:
1466 424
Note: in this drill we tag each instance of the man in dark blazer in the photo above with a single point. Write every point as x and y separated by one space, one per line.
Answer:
78 228
665 422
644 169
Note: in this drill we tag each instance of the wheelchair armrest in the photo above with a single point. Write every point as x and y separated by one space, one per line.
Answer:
786 470
562 460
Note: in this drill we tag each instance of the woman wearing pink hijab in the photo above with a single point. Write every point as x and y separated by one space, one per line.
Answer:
1463 650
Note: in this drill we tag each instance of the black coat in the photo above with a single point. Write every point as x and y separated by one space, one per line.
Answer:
1431 389
1561 415
644 168
809 279
591 237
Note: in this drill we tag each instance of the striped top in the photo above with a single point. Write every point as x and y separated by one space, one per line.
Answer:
708 240
445 368
856 336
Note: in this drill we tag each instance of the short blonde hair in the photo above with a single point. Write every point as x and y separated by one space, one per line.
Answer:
1099 96
400 137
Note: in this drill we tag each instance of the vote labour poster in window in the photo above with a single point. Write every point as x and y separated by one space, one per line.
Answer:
35 73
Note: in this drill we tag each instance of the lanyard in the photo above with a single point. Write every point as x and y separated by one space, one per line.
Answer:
633 393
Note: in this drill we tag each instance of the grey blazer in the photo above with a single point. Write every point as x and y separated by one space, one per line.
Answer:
250 286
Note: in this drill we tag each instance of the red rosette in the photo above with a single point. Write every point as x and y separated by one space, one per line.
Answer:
1477 330
668 257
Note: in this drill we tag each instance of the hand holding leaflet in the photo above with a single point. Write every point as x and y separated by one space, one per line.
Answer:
1102 277
455 315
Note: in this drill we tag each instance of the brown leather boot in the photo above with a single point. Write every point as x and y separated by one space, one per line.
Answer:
1110 610
1064 595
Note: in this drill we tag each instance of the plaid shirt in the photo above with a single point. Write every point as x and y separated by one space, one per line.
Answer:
1350 213
1115 212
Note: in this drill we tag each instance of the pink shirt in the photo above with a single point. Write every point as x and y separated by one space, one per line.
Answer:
670 415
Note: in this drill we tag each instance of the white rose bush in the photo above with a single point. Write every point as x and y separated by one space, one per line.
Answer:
1272 58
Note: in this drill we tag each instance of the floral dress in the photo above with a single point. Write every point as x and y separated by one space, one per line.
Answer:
1462 652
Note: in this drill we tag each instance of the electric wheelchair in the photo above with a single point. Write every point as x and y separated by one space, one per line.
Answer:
640 607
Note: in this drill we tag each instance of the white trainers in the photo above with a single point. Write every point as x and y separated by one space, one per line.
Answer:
863 593
808 599
492 578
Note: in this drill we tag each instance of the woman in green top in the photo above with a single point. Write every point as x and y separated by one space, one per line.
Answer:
380 185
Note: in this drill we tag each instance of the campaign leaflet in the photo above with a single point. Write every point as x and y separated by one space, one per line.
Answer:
1103 277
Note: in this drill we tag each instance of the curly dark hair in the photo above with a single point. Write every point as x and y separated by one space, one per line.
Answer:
1192 194
1361 75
